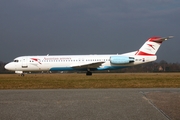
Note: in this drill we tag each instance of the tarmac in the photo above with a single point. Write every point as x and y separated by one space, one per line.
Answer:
90 104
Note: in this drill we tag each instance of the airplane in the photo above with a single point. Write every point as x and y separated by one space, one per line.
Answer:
88 63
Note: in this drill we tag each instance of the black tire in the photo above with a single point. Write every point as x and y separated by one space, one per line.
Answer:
22 75
88 73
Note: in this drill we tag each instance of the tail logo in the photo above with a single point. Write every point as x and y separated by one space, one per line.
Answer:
151 46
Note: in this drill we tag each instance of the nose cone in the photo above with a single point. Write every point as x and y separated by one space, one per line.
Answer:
9 66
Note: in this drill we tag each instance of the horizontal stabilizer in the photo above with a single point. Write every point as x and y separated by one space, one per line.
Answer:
160 40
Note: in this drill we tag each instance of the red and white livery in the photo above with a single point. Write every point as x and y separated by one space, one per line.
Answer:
89 63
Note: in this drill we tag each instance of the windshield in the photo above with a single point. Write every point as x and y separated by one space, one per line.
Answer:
16 60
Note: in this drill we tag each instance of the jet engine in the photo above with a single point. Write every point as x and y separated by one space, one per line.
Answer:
121 59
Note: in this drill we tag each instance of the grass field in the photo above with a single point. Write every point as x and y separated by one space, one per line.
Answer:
71 81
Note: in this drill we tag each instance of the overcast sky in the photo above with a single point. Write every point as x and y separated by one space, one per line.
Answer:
40 27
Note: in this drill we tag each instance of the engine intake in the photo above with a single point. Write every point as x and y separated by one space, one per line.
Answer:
121 59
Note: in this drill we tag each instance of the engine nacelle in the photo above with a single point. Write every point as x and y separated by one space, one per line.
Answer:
121 59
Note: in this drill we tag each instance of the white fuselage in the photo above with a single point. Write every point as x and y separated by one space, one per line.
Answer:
147 53
73 62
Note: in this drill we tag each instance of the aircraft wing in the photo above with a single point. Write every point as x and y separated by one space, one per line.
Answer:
88 65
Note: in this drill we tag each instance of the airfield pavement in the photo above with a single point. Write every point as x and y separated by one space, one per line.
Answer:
90 104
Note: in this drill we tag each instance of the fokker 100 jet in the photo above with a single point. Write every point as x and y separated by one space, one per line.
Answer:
88 63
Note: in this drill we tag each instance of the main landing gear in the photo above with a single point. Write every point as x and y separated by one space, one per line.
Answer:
88 73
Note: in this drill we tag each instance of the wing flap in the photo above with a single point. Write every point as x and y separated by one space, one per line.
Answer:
88 65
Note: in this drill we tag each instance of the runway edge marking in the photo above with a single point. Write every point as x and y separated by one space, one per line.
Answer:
151 103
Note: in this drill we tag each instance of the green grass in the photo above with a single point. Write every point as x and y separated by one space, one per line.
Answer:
70 81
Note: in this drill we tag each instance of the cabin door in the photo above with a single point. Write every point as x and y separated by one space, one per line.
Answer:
24 63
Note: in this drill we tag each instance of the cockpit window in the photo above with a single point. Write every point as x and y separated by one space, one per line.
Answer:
16 60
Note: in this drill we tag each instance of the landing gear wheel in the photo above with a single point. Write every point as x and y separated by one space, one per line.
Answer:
22 74
88 73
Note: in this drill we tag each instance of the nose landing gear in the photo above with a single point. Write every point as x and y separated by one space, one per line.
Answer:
22 74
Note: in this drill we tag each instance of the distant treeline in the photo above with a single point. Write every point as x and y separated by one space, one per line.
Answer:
161 66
